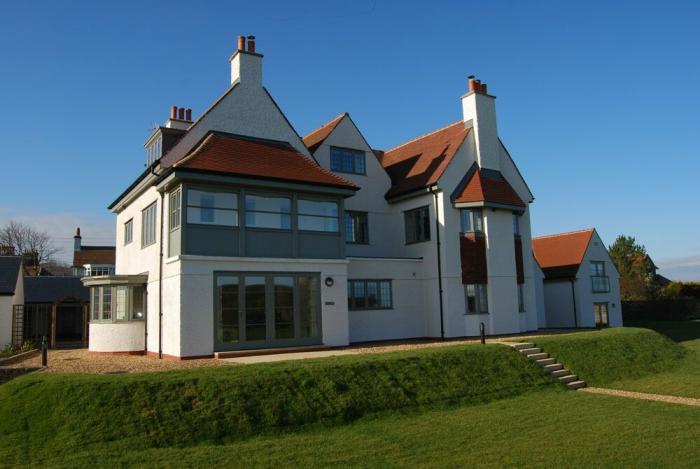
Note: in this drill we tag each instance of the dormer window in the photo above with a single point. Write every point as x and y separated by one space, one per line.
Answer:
153 152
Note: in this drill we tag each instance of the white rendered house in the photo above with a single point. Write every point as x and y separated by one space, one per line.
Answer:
241 234
581 284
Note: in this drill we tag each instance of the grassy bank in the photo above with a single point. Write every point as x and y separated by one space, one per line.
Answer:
544 429
44 416
603 357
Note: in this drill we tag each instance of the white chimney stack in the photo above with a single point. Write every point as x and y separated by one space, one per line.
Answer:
479 107
246 65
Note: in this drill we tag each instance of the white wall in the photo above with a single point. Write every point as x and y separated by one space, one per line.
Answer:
6 308
196 328
584 292
407 317
116 337
559 305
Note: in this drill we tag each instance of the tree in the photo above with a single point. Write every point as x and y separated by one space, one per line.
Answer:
35 246
636 269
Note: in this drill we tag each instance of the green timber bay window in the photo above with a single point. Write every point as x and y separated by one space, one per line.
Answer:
212 207
263 211
117 303
317 215
266 309
345 160
369 294
175 210
417 225
476 298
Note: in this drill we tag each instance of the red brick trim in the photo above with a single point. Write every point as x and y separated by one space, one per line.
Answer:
472 253
175 357
129 352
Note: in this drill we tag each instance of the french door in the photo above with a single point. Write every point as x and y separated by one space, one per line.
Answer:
256 310
601 314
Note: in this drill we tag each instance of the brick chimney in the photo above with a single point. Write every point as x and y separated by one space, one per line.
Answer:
77 240
479 109
180 118
246 64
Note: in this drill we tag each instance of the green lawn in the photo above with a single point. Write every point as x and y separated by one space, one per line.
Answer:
681 378
553 428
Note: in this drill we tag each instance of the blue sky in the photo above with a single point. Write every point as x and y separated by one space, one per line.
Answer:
597 101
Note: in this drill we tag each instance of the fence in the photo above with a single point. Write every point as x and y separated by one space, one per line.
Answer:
30 322
661 309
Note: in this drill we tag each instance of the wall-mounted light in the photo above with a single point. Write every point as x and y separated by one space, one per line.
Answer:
329 281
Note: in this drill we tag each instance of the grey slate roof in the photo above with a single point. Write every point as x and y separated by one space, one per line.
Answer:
54 289
9 269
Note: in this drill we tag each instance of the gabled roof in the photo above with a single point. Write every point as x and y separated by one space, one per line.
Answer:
94 255
560 255
315 138
487 186
419 163
54 289
236 155
9 272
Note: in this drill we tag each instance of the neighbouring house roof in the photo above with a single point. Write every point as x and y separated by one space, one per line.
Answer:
315 138
560 255
487 186
94 255
54 289
419 163
9 272
250 157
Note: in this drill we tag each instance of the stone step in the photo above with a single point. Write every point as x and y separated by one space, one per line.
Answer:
553 367
567 378
523 345
560 373
576 384
538 356
530 351
545 361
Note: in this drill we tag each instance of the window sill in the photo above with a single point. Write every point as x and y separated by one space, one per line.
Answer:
417 242
370 309
476 314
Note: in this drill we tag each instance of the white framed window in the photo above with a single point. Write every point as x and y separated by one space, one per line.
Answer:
153 152
148 225
417 225
118 303
476 298
175 209
212 207
95 270
369 294
317 215
128 231
472 220
263 211
345 160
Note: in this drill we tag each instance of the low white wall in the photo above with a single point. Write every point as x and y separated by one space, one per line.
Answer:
406 318
116 337
5 320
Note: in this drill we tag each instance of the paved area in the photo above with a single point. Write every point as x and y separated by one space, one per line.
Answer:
279 357
82 361
644 396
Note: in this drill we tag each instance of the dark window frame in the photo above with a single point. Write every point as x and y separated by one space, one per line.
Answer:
365 232
478 308
334 162
426 228
599 283
352 303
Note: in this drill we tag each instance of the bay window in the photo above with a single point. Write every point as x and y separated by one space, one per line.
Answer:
317 215
268 212
117 303
212 208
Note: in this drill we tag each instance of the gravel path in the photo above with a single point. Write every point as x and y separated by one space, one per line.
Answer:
644 396
82 361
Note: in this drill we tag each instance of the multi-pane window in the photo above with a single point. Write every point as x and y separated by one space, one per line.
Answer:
317 215
129 231
521 298
369 294
417 225
472 220
268 212
600 283
212 208
174 205
356 227
148 225
516 224
345 160
601 314
92 270
476 298
118 303
154 151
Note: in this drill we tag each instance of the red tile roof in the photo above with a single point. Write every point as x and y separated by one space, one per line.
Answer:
560 255
419 163
241 156
94 255
316 137
489 186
